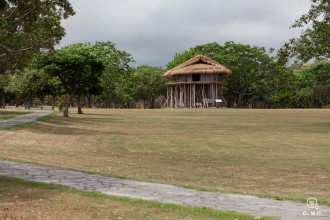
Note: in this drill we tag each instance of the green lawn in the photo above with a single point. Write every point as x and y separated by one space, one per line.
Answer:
281 154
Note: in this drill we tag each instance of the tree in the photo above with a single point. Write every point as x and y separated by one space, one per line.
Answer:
28 27
26 84
116 75
76 66
210 50
118 90
314 41
47 85
53 89
252 68
285 86
314 85
148 84
4 80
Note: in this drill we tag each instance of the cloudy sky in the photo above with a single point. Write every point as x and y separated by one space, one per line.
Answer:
154 30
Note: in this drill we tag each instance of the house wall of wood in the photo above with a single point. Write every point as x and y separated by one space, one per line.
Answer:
209 78
203 78
195 91
183 78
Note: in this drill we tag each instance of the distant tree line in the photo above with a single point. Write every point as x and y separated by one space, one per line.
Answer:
32 72
90 75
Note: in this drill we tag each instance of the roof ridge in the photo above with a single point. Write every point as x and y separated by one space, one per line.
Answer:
221 69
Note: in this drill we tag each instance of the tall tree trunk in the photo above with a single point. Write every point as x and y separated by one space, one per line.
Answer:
53 103
240 99
112 104
42 103
143 104
27 103
79 105
88 100
68 103
152 104
3 102
66 109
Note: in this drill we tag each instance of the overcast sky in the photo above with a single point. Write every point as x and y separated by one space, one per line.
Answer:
154 30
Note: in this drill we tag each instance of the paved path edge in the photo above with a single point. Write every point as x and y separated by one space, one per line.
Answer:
30 117
164 193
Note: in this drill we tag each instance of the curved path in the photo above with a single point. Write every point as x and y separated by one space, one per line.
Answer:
24 118
159 192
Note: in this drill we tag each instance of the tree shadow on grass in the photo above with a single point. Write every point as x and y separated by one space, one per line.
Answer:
46 128
13 113
97 114
57 119
67 126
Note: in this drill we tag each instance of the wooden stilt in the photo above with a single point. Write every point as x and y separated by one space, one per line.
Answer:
216 95
175 96
188 94
171 105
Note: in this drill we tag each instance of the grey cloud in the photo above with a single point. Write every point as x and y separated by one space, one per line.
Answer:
154 30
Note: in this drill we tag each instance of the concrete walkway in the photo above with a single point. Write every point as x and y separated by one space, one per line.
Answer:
163 193
24 118
156 192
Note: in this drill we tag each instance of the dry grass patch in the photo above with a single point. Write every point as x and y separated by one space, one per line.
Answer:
23 200
277 153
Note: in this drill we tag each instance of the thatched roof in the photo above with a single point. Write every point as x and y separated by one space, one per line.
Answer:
198 65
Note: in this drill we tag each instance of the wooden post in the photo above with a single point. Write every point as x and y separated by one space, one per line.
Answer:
223 98
181 97
203 95
190 96
171 99
212 94
175 95
216 92
194 95
187 95
216 95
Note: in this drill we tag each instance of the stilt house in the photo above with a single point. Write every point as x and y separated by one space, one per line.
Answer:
197 84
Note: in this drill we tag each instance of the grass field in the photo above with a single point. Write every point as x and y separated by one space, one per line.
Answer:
282 154
24 200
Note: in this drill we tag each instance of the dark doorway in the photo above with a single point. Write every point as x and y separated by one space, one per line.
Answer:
196 77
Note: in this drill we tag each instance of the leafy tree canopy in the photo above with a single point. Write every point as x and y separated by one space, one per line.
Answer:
115 80
26 84
76 66
148 84
27 27
88 69
314 84
314 41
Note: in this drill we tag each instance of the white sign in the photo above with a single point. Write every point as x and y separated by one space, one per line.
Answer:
313 208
